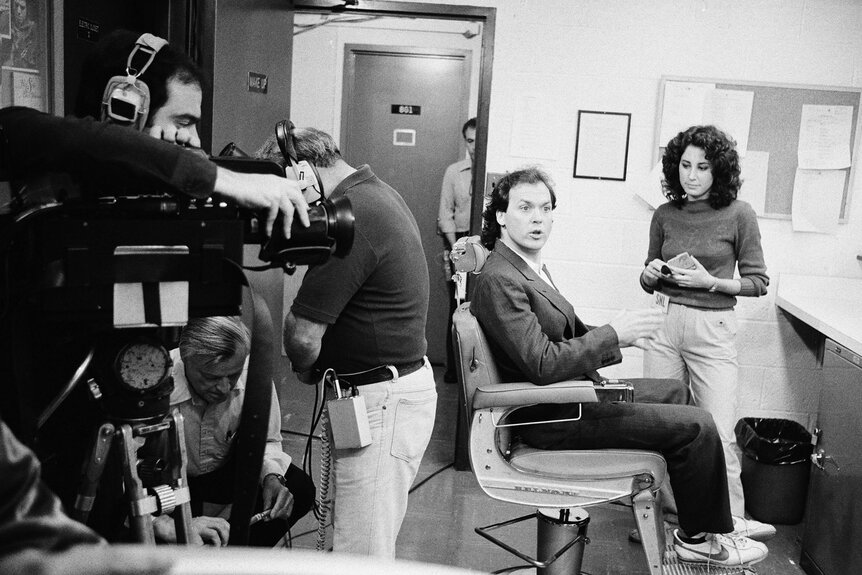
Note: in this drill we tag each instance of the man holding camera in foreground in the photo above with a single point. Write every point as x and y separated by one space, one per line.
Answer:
114 157
363 316
111 158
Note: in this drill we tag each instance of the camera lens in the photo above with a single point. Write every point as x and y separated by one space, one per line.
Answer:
330 233
341 226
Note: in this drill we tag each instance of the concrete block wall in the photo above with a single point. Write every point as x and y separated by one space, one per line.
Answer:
570 55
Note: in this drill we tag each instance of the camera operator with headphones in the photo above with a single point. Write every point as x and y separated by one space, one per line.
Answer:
363 316
139 81
148 98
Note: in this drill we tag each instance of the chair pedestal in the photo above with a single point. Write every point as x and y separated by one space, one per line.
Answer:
561 535
555 528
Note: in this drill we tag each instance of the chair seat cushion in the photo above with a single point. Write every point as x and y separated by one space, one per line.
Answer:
588 463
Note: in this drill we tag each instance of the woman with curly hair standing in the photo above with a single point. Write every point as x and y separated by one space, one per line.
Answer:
720 233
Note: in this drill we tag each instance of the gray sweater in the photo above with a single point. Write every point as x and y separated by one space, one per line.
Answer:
721 239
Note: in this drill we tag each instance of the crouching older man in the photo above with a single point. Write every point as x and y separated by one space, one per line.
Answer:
210 370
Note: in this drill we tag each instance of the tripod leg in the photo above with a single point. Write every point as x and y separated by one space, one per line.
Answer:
93 470
140 520
183 514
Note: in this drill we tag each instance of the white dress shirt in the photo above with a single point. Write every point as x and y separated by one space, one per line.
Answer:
210 429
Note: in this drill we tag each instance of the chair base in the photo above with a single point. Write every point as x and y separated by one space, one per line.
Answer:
561 535
554 528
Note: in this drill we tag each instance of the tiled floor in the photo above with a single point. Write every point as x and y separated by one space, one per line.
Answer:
443 512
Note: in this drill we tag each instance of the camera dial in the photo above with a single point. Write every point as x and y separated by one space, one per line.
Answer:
142 365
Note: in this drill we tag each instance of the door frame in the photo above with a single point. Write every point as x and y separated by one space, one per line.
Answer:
487 16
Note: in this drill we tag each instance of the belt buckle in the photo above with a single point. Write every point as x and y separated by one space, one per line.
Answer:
394 373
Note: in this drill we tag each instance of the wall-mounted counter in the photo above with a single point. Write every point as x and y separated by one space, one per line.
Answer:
833 306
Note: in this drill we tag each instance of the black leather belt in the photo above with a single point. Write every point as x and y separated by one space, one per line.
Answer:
381 373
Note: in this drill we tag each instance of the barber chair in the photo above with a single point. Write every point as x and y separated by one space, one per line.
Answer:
558 484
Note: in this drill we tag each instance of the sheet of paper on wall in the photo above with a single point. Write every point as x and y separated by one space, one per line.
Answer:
27 89
648 188
824 137
730 111
682 107
755 167
817 196
530 134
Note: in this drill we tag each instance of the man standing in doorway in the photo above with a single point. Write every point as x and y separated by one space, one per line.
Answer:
453 222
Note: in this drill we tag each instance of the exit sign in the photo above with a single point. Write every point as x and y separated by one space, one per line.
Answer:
406 109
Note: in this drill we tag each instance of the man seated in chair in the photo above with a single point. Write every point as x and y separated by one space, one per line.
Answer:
534 335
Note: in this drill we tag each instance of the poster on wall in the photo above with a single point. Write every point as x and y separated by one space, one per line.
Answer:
5 20
23 54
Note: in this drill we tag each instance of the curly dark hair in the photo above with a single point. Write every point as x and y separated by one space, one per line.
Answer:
720 151
500 200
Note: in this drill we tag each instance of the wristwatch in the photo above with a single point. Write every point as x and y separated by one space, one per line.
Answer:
278 476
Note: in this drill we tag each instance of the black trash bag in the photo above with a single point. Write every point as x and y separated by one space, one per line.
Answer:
773 441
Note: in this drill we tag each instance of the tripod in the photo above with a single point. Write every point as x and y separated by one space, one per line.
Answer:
143 502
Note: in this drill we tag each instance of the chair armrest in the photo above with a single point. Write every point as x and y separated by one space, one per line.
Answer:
518 394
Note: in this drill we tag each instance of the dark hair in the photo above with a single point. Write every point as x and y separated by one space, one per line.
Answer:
499 201
108 58
471 123
720 151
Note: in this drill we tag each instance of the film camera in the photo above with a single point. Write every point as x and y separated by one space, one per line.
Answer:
95 288
330 231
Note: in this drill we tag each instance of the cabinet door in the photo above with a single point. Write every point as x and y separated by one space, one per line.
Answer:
830 545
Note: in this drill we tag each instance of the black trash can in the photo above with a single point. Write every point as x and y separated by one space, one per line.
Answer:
776 466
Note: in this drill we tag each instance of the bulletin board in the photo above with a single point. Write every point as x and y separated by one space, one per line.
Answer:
776 116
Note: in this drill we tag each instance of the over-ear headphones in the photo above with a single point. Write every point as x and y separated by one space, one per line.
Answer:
126 99
301 168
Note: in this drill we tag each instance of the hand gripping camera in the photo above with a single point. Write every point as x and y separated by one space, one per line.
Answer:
330 232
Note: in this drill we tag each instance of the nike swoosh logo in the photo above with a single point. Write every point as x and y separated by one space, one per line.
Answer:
722 556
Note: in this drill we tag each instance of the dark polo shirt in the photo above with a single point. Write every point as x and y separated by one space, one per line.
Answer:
375 300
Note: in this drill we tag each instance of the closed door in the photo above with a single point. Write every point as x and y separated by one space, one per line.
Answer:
402 113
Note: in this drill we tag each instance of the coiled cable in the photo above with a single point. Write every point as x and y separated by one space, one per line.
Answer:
324 504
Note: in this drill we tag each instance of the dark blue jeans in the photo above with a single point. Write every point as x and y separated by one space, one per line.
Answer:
660 419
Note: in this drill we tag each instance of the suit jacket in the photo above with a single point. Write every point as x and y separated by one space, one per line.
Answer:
531 328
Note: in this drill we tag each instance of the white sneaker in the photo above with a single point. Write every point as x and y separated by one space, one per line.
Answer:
723 550
753 529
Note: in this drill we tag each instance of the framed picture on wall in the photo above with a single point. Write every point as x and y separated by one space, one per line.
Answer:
5 19
25 78
602 145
